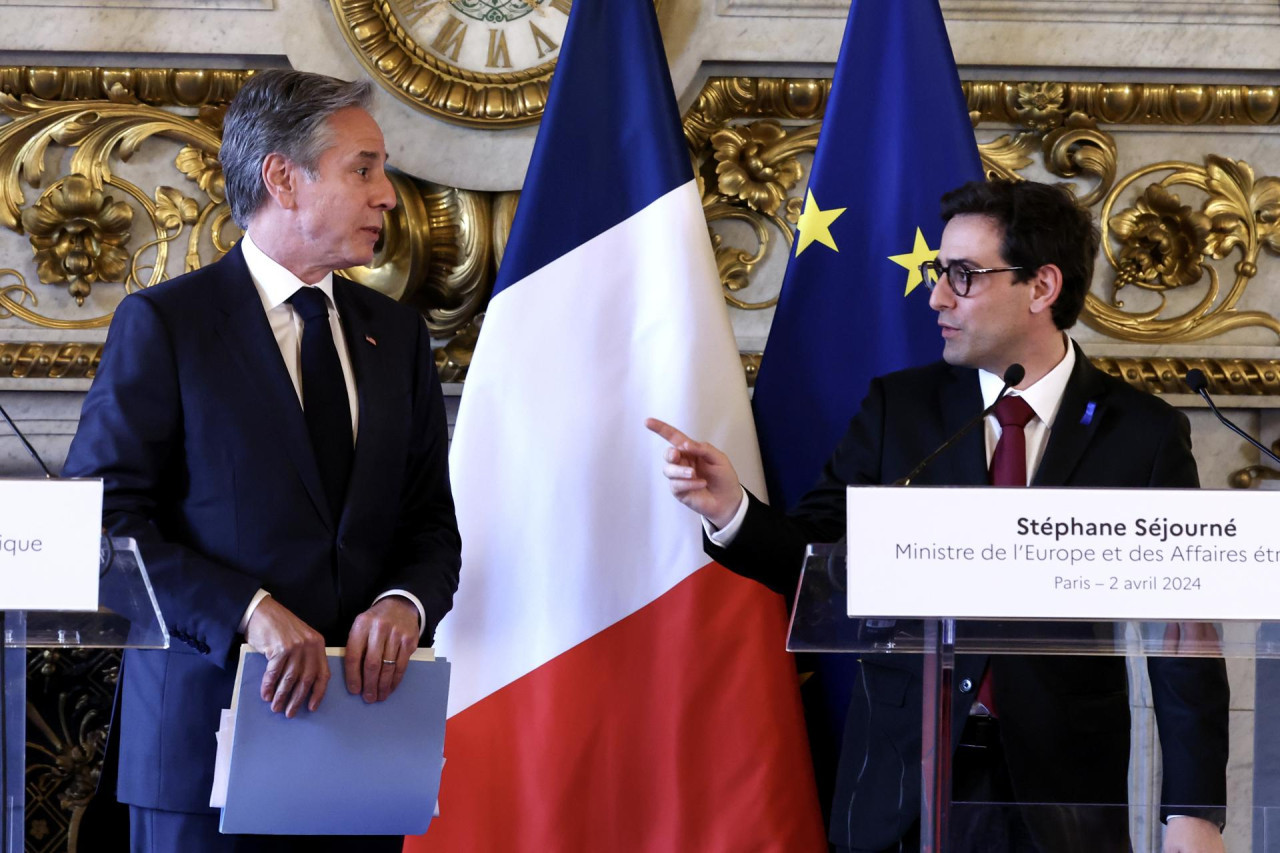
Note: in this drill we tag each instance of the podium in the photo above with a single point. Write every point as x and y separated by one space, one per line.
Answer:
127 617
819 624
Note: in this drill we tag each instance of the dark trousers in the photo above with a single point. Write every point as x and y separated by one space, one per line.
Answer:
157 831
986 817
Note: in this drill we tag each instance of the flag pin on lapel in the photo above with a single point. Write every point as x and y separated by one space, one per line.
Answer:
371 339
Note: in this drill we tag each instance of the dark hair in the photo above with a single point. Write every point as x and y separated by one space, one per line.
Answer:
1042 225
279 112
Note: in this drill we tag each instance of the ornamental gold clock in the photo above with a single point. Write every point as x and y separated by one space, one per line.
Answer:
478 62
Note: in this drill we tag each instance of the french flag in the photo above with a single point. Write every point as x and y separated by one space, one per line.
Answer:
612 690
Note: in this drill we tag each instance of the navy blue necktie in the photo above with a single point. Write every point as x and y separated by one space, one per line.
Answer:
324 396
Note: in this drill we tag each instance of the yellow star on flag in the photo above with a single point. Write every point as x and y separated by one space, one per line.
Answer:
815 225
913 259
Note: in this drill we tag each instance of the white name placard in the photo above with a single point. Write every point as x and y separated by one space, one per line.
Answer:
1107 554
50 531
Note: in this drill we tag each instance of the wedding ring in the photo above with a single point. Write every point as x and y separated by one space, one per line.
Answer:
388 663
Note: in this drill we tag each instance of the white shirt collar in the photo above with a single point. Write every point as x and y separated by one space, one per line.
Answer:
1045 396
275 284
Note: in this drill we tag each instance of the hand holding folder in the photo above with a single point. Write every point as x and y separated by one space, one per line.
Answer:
348 768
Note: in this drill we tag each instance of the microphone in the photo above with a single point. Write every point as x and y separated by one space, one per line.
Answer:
30 450
1199 383
1012 376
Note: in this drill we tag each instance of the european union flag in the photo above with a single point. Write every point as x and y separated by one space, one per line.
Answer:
896 136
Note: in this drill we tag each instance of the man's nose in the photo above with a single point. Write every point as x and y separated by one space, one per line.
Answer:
942 296
385 194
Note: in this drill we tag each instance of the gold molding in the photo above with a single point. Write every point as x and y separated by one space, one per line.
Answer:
1047 104
1239 377
157 87
49 359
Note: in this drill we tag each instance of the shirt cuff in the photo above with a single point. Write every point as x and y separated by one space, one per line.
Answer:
724 537
248 611
413 599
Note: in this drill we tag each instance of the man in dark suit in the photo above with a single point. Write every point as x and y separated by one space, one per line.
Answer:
274 438
1011 275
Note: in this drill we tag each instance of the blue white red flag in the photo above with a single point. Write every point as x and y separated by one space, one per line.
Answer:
612 689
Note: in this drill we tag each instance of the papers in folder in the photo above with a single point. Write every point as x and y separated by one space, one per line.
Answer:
349 768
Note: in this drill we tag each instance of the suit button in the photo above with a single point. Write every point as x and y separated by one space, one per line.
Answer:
966 685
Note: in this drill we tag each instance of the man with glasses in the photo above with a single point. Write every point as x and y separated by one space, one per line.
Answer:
1011 276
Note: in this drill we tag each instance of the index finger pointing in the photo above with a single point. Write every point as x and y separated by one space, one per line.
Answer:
672 435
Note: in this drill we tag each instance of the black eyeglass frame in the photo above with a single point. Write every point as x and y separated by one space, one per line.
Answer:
960 278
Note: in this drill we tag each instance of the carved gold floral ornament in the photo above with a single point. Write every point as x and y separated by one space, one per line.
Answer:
78 234
750 169
1165 245
203 168
1039 106
1162 242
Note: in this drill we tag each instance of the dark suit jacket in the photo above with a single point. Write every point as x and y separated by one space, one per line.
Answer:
1064 720
196 430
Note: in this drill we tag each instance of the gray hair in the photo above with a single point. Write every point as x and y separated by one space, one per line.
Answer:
279 112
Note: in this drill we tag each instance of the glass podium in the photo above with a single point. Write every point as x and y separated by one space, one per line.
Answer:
1251 650
127 617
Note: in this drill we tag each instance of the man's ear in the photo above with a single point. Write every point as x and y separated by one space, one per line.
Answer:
1046 287
280 176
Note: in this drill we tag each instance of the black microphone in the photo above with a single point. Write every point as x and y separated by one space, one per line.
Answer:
30 450
1199 383
1012 376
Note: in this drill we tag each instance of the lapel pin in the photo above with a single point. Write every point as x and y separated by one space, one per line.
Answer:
1088 413
371 340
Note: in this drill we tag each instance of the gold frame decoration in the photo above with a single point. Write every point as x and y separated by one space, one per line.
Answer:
378 39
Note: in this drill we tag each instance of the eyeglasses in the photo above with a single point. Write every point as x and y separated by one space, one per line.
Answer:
961 278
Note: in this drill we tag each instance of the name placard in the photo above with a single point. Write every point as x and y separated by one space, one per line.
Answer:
50 532
1107 554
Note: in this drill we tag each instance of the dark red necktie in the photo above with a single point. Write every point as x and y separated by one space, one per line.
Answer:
1008 468
1009 462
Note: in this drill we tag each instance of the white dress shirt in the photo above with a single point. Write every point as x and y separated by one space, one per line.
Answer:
275 285
1044 397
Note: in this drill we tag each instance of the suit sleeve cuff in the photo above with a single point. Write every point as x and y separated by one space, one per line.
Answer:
248 611
413 599
724 537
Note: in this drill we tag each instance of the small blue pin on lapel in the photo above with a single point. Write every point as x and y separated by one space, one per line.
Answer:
1087 418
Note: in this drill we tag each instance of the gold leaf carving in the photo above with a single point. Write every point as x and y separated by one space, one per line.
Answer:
751 169
1006 156
78 234
1164 244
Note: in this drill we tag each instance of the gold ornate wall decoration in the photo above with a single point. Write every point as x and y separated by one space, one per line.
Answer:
78 234
158 87
747 170
1166 245
1044 104
77 230
725 99
49 359
750 139
749 177
1232 376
